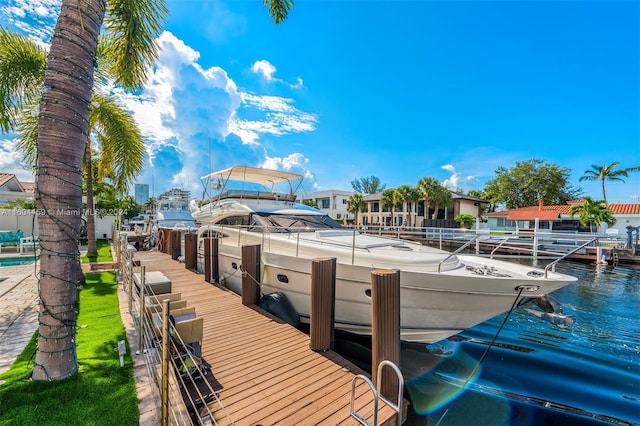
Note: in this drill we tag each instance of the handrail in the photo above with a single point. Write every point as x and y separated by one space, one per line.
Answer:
354 413
457 251
552 264
377 395
398 406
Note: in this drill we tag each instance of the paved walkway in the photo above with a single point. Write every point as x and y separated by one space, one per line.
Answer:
18 311
19 320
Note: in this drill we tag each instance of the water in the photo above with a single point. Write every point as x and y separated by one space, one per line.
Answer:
537 373
16 261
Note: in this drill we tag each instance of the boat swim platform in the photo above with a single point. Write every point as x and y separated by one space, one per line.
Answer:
266 371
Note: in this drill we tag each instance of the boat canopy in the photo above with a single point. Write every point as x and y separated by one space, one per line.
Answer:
257 175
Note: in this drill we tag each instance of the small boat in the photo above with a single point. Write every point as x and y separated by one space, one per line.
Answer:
173 212
441 293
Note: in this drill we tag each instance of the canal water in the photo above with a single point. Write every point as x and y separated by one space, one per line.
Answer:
535 372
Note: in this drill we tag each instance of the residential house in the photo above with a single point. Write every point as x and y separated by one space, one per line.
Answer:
12 190
413 214
558 218
332 201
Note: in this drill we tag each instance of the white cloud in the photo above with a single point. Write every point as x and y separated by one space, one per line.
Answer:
186 111
11 161
455 181
267 70
295 163
35 18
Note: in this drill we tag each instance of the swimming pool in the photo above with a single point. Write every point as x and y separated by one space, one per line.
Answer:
16 261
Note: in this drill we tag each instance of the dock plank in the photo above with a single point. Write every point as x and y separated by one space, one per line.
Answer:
267 373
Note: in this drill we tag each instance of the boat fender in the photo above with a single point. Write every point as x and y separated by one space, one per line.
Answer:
278 305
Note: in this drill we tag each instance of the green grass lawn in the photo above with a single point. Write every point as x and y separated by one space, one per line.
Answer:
102 393
104 253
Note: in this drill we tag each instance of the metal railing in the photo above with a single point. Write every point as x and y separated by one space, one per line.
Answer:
177 372
377 396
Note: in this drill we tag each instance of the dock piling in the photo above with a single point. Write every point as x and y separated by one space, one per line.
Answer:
385 322
322 312
211 260
250 274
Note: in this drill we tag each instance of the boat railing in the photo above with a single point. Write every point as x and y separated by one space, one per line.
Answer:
462 247
555 262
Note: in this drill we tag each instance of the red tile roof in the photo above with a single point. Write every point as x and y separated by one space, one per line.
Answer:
554 212
531 214
6 177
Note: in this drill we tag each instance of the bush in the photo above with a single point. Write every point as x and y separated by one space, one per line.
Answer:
465 220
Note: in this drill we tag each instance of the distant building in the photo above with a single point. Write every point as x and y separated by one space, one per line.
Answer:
141 193
333 202
176 194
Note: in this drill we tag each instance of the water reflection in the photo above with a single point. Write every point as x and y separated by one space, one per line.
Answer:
537 372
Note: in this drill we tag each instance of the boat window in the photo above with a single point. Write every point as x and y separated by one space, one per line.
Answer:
288 223
240 220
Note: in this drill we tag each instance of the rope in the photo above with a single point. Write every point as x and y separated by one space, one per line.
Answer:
486 351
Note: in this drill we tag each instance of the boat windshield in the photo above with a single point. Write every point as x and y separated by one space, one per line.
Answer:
287 223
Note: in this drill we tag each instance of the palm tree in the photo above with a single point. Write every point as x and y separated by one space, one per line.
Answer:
407 195
427 187
387 200
63 128
110 125
441 198
603 173
355 205
592 213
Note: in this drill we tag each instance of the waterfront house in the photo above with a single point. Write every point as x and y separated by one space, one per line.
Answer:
558 218
332 201
413 213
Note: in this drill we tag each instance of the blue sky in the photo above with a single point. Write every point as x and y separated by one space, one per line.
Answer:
396 89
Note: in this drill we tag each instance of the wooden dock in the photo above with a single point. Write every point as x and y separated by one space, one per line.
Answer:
268 374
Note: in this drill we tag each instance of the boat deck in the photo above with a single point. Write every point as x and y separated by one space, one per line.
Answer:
267 373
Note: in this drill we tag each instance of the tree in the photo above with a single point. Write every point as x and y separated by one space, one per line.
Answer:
406 195
528 182
479 194
427 186
367 185
310 203
604 172
63 122
150 204
110 125
593 213
388 201
355 205
441 198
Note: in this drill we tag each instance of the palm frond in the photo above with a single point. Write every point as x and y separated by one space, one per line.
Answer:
22 64
122 146
279 9
130 41
27 129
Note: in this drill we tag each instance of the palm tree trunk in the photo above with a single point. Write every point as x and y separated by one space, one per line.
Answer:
92 248
63 123
604 194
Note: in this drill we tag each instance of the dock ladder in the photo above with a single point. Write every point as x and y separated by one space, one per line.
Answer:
376 394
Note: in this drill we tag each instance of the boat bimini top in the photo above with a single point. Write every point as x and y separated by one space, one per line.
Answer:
267 178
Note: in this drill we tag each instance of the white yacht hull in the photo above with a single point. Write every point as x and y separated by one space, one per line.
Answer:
434 304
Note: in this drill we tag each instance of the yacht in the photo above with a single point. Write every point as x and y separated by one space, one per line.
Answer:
172 211
441 293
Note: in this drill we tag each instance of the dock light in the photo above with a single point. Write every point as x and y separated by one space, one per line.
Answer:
122 350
